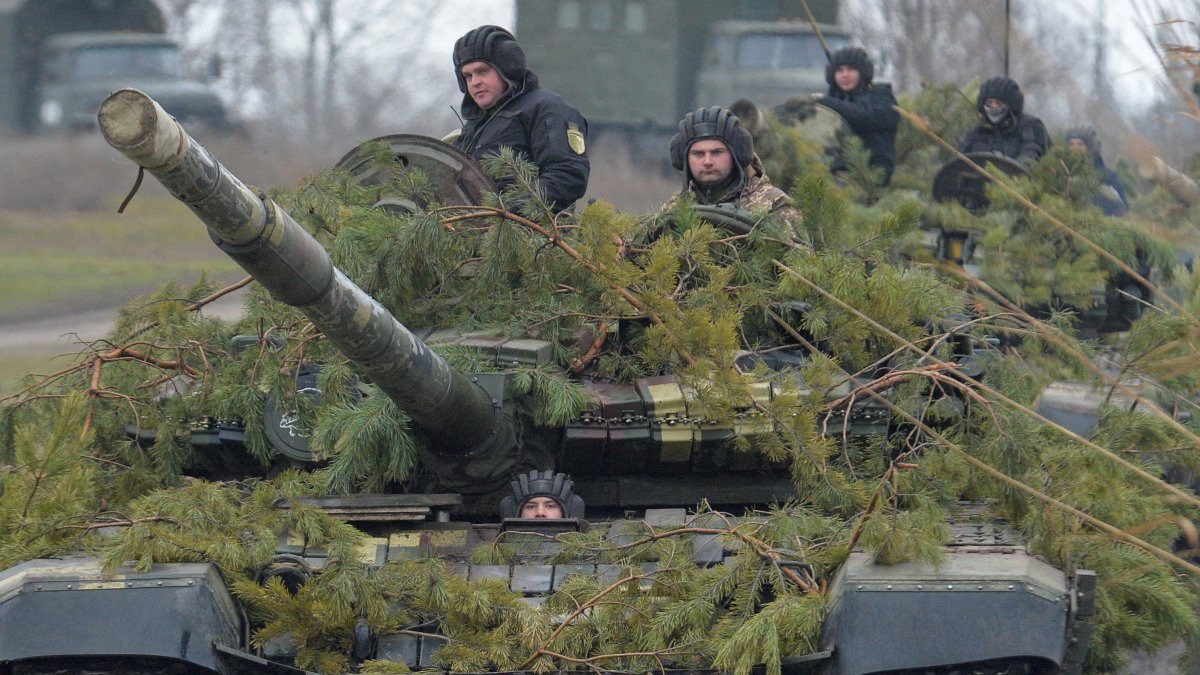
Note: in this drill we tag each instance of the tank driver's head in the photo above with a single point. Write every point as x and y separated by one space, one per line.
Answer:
542 494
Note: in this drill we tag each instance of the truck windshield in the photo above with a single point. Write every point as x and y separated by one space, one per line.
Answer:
124 60
758 51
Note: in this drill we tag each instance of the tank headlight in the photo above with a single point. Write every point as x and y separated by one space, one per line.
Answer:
51 113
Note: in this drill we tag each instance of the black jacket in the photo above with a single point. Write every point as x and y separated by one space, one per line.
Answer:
534 122
1023 137
1104 199
869 113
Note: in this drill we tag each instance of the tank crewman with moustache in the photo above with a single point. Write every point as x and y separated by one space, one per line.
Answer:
503 106
716 156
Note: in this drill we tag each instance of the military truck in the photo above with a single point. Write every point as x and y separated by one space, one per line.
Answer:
59 59
643 64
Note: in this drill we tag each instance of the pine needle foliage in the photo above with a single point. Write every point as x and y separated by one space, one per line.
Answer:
48 487
949 111
668 293
1033 261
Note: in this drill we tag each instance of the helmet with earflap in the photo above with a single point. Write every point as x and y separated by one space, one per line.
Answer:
712 122
557 486
493 44
1004 89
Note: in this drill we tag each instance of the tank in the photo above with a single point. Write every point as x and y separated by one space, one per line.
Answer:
640 455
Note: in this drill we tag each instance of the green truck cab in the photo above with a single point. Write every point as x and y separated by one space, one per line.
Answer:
643 64
764 62
58 60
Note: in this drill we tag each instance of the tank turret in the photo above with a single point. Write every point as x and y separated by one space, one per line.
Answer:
642 444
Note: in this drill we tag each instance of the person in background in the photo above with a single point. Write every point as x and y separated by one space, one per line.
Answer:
868 107
1004 127
1110 198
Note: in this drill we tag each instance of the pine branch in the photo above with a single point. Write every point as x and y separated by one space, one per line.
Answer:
917 122
1142 473
553 238
1056 336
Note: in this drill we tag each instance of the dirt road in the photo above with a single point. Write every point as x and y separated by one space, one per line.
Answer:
67 332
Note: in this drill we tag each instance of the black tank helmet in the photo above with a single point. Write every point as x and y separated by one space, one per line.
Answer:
856 58
713 122
495 45
1004 89
556 486
1087 135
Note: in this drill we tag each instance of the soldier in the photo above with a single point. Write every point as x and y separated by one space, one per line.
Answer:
1111 197
716 156
1003 126
866 107
542 494
504 106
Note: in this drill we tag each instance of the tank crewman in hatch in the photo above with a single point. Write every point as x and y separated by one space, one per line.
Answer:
542 494
867 107
1110 198
716 156
504 106
1003 126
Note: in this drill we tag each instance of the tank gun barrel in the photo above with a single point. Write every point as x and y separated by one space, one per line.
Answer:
265 241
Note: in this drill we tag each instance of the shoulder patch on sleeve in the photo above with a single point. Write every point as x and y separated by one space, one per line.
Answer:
575 138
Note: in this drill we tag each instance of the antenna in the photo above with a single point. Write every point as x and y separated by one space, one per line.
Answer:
1007 28
813 22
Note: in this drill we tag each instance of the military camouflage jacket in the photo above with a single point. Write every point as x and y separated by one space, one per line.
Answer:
758 196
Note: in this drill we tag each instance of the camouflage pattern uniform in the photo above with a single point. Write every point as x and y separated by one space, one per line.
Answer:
762 196
759 196
746 187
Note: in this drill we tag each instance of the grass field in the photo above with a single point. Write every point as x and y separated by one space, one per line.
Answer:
55 264
64 250
62 261
14 368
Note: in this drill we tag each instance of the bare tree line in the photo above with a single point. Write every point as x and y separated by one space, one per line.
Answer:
336 71
323 71
1062 60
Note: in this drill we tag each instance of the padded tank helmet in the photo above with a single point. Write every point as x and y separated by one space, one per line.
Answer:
1004 89
493 44
856 58
713 122
556 486
1087 135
